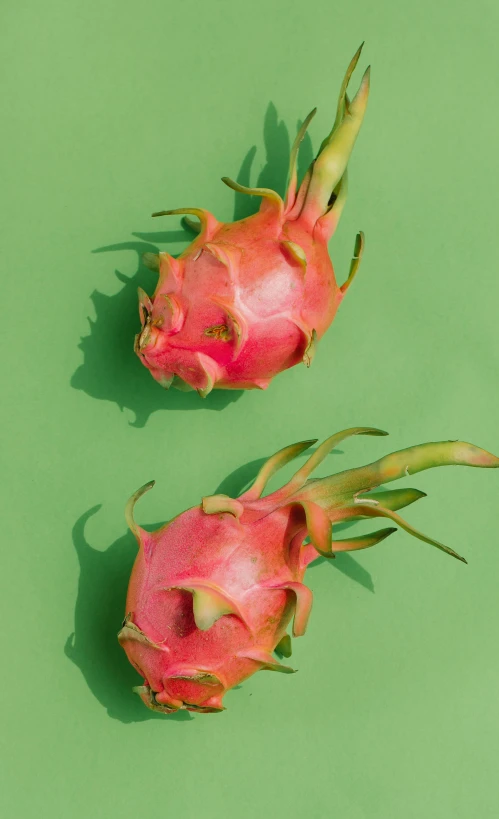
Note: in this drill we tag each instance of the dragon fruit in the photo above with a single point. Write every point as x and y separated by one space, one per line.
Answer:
213 591
251 298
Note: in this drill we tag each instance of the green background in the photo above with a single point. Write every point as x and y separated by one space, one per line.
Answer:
113 110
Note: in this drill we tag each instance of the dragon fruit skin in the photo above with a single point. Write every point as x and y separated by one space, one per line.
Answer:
249 299
213 591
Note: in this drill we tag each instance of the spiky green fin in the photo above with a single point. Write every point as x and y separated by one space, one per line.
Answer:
272 465
394 498
283 647
137 531
343 496
129 631
381 512
181 385
238 323
343 100
177 311
330 163
151 260
300 477
266 661
209 225
293 175
297 254
356 259
145 305
362 541
271 199
328 227
148 697
353 482
209 603
325 227
219 504
191 224
303 605
319 528
211 371
165 381
197 675
170 268
295 210
229 255
310 349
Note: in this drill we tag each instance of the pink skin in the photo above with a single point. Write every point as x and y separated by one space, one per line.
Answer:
263 556
213 591
270 293
249 299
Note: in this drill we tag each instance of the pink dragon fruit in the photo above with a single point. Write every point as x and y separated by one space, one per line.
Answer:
250 298
213 591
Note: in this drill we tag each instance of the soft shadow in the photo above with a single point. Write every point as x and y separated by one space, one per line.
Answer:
99 611
110 370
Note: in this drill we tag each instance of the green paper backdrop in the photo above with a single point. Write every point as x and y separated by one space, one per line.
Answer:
112 110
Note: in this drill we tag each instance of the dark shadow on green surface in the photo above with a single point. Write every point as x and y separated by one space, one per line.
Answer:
110 370
99 611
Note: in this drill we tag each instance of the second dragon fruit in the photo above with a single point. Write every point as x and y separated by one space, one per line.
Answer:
213 591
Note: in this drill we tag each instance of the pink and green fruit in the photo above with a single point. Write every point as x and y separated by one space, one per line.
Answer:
213 591
251 298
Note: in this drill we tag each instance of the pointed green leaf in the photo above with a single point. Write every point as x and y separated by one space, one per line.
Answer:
266 193
137 531
266 660
236 319
406 462
151 260
310 349
283 647
343 101
394 498
297 254
218 504
362 541
303 606
272 465
210 602
331 162
356 259
291 191
381 512
319 527
320 453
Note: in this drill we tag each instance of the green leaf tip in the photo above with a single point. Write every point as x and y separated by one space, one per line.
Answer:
209 603
266 660
362 541
151 260
382 512
267 194
137 531
273 464
220 504
283 647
